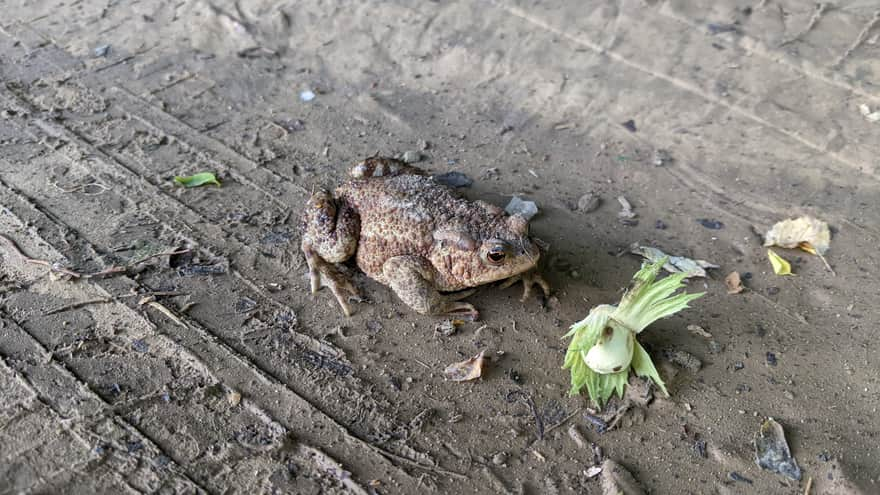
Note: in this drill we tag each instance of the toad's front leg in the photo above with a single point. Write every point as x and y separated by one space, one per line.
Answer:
412 279
329 236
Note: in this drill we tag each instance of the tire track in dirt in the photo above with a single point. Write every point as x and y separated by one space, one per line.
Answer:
81 414
43 128
215 359
167 210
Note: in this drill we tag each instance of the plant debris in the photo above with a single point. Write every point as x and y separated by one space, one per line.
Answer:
805 233
674 264
870 116
733 283
780 266
470 369
626 210
604 348
772 452
698 330
197 180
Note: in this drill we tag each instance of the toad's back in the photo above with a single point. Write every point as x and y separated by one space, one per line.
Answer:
400 214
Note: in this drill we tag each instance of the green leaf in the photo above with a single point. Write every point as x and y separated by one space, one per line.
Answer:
197 180
647 301
644 367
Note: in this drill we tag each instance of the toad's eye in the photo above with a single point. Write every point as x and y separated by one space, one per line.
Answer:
496 255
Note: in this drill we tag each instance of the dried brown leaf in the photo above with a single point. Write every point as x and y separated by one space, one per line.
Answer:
734 283
470 369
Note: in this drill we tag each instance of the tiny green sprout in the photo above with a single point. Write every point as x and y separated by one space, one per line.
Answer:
604 346
197 180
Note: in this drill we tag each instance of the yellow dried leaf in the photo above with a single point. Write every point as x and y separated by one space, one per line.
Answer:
780 266
806 233
466 370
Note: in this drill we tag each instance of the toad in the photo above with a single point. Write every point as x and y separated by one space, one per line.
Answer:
415 236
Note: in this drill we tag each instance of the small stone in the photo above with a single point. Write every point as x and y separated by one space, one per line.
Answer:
771 359
140 346
738 365
629 125
395 383
738 477
710 223
234 398
661 157
412 156
244 305
772 291
454 179
525 209
101 51
374 326
307 95
445 328
715 347
589 203
499 459
660 225
423 145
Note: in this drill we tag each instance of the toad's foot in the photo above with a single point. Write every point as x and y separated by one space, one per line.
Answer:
460 310
323 274
529 279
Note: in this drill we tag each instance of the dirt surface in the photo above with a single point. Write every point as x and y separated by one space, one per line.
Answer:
215 371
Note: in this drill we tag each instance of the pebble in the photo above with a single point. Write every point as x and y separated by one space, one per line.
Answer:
307 95
710 223
499 459
454 179
589 203
140 346
660 225
525 209
629 125
412 156
738 365
771 359
101 51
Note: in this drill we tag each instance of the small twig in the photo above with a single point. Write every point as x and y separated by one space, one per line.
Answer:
564 420
826 264
156 294
165 311
80 304
82 187
56 268
809 485
522 394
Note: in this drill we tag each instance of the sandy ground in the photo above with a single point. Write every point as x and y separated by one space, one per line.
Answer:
177 378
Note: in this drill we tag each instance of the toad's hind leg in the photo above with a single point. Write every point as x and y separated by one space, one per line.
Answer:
412 279
329 235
